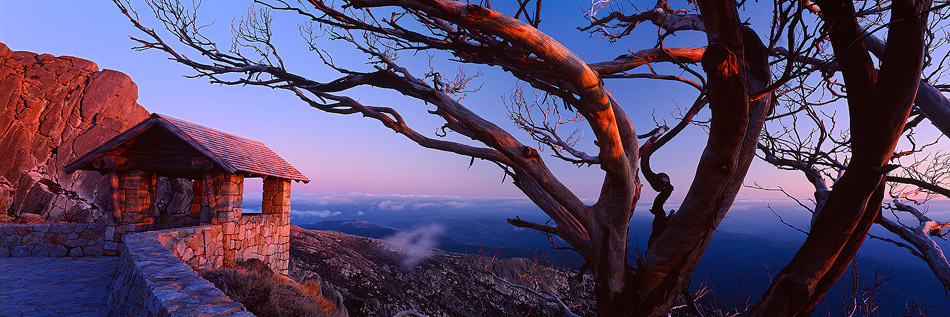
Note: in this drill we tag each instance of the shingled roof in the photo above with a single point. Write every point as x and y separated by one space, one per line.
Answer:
160 139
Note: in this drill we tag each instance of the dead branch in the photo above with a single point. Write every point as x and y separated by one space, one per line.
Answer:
540 293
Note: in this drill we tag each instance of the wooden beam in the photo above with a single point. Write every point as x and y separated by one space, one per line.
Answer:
110 162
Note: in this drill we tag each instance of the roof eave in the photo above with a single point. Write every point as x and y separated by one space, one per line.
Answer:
195 144
111 144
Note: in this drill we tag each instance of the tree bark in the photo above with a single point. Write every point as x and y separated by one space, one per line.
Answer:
736 66
878 109
933 104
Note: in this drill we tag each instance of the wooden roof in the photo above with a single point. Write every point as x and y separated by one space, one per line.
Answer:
174 147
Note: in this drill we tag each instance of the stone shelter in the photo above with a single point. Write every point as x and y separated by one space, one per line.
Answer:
217 163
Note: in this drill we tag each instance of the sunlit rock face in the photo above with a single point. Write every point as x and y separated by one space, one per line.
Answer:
52 110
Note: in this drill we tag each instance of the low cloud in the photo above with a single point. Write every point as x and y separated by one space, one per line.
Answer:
382 205
417 243
314 213
458 204
425 205
424 202
392 205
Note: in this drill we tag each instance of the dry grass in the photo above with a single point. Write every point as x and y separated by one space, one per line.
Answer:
263 293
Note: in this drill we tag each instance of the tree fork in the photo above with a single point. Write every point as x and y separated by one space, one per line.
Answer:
736 65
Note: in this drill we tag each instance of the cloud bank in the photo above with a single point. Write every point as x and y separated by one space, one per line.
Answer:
313 213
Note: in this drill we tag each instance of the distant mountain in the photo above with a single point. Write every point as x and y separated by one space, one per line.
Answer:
354 227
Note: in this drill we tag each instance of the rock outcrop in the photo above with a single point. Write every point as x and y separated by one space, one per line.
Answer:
374 280
52 110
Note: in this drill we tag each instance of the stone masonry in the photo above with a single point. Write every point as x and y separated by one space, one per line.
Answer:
52 239
156 274
276 198
226 197
214 246
151 281
133 199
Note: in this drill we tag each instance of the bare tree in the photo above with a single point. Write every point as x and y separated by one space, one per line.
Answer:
821 154
879 105
731 70
863 298
534 280
815 144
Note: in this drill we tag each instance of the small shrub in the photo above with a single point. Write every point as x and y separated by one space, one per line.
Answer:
264 293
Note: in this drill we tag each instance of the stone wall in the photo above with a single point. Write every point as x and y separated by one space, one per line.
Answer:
62 239
156 275
150 281
252 237
52 239
265 237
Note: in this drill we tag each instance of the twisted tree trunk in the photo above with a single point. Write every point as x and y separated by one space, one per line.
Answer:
878 108
736 65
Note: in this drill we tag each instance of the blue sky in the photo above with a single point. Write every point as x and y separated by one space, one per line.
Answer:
350 153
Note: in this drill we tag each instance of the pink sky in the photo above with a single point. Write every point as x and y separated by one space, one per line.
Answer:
351 153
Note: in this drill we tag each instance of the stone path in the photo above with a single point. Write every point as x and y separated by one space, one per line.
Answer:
55 286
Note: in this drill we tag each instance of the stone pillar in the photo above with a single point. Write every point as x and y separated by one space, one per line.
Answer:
228 191
223 194
135 192
276 200
217 198
132 196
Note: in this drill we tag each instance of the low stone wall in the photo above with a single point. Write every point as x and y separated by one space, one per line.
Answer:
151 281
54 239
200 247
252 237
265 237
156 275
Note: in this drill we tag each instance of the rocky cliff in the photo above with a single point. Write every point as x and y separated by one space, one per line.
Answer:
52 110
372 276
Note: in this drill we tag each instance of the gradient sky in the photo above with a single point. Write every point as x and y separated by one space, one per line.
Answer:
351 153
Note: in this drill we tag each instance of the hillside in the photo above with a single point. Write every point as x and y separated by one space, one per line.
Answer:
735 264
468 236
375 280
